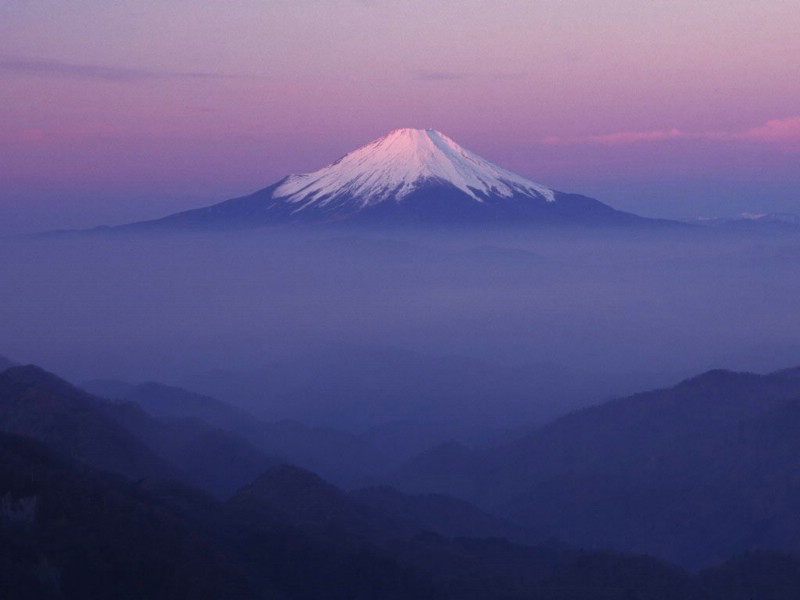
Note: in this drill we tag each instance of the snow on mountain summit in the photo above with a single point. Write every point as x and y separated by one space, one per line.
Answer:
394 166
408 178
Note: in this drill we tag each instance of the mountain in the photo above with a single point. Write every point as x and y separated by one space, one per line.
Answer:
169 402
214 459
107 388
38 404
302 498
408 177
197 420
373 387
753 222
123 438
354 543
437 513
6 363
67 532
693 473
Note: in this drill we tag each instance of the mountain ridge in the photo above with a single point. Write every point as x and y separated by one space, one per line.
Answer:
410 177
689 473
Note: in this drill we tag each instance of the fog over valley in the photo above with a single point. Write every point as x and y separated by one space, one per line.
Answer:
574 317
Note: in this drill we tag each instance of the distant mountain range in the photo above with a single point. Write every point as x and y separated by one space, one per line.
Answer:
364 387
69 531
691 473
408 177
338 455
750 221
5 363
122 437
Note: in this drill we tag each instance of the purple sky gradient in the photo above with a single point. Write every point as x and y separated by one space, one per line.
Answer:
132 109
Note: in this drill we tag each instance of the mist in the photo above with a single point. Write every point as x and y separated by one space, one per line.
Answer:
356 330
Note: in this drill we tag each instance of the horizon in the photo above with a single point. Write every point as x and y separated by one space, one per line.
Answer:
666 110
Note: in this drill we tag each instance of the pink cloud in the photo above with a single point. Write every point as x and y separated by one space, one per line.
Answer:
774 130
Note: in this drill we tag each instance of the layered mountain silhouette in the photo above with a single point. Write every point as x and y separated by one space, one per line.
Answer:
344 457
38 404
6 363
122 437
374 387
773 223
692 473
69 531
408 177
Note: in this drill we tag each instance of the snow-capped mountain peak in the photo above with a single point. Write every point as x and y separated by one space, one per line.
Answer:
789 218
408 178
394 166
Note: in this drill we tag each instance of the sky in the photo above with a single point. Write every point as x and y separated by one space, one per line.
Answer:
117 111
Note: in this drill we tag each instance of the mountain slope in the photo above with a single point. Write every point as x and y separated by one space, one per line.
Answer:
169 402
209 457
408 177
366 535
123 438
67 532
395 166
694 473
302 498
183 416
40 405
6 363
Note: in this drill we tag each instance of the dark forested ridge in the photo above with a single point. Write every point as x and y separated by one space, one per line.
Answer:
70 531
5 363
694 473
338 455
40 405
